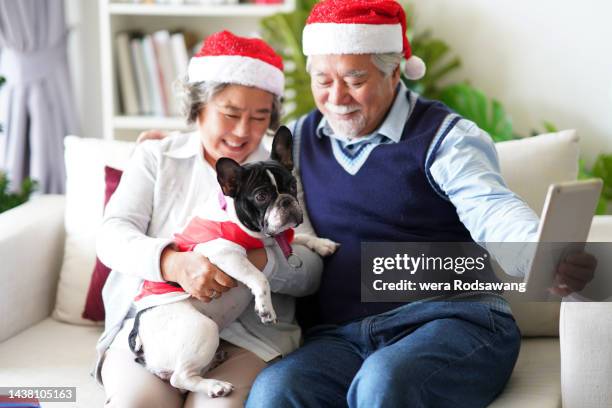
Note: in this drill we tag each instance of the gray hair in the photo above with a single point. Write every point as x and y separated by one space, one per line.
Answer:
386 63
196 95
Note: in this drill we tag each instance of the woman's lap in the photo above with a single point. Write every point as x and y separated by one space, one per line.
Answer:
129 384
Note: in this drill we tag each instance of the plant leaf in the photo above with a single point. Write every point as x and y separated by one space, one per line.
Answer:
284 32
603 169
10 200
549 127
472 104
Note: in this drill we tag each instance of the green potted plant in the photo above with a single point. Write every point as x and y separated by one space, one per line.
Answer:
8 199
284 32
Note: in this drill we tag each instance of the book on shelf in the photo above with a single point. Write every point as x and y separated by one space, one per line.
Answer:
127 78
140 71
147 68
163 52
180 57
153 76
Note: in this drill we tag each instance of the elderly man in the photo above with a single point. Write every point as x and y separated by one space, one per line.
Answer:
379 163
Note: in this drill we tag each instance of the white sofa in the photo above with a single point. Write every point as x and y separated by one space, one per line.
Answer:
37 349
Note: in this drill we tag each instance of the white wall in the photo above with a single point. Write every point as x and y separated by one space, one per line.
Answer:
542 59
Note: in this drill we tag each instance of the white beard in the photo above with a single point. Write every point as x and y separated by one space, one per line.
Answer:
345 127
349 127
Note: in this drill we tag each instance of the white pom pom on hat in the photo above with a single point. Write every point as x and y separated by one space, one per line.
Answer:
415 68
360 27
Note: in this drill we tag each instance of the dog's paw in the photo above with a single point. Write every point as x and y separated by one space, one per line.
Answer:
324 246
267 315
220 389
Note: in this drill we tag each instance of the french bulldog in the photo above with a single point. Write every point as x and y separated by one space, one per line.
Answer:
172 335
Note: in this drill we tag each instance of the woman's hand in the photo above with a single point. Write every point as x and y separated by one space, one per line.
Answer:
195 273
151 135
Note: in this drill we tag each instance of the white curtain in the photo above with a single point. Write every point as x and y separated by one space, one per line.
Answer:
36 102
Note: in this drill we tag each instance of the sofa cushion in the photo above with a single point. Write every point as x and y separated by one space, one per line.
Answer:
94 305
85 161
530 165
535 381
53 354
536 319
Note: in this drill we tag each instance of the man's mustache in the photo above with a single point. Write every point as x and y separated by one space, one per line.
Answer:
341 109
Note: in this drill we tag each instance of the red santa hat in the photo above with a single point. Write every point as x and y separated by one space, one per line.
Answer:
228 58
360 27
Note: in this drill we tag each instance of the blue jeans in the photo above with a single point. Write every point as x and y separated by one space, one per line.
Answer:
428 354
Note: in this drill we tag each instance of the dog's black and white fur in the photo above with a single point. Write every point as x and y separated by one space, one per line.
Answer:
177 341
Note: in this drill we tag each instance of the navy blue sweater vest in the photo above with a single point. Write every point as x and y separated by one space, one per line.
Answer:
388 200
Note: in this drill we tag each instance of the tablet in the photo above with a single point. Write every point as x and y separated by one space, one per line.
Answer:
564 228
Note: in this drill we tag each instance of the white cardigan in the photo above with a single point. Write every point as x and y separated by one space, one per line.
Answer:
162 185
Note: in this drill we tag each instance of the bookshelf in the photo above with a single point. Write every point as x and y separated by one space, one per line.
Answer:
244 10
201 20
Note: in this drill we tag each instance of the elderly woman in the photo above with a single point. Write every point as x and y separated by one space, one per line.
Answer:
233 96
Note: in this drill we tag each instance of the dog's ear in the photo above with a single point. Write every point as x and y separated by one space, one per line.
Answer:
229 174
282 148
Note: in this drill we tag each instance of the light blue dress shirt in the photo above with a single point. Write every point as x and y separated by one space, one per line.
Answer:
464 170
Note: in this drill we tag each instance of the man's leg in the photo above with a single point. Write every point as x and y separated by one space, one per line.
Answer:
446 362
316 375
240 368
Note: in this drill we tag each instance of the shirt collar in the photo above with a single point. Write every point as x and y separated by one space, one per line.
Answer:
393 125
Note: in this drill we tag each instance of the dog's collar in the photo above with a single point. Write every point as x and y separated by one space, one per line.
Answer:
281 239
292 259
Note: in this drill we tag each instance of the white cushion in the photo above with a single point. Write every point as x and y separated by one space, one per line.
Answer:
85 161
601 229
536 319
53 354
530 165
535 379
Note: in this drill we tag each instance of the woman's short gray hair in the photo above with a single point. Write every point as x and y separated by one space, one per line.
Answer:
196 95
386 63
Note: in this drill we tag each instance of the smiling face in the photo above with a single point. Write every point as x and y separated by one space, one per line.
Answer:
351 92
233 123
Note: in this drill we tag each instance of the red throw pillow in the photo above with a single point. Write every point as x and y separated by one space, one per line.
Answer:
94 307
